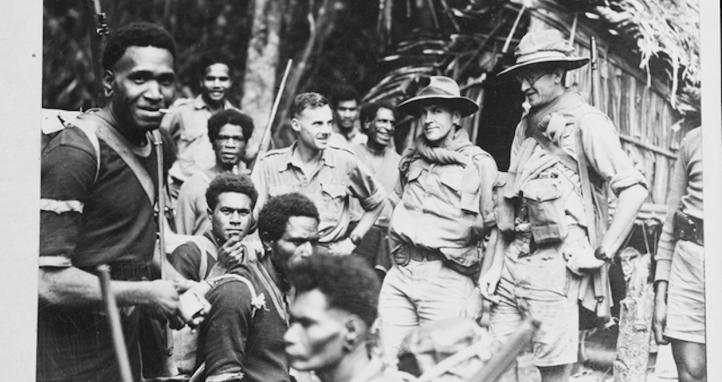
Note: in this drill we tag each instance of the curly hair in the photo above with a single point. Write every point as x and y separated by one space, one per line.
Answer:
233 117
304 101
228 182
344 93
136 34
369 110
348 283
214 56
273 217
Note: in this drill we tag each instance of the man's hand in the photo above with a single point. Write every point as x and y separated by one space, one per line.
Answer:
659 321
232 252
344 247
488 283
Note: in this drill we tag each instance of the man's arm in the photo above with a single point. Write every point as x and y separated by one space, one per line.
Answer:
603 149
185 211
223 336
369 192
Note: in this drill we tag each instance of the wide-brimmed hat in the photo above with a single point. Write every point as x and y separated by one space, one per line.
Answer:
544 47
440 89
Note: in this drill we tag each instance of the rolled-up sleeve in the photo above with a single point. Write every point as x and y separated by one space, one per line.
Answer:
365 187
67 174
605 153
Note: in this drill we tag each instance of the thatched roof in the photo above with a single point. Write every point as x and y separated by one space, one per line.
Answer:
663 34
666 31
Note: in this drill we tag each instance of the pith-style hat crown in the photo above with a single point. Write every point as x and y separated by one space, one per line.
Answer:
544 47
440 90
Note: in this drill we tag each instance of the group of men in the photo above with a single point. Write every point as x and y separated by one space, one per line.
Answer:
284 253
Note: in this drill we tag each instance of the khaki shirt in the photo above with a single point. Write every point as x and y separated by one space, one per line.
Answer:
444 205
187 123
385 166
338 177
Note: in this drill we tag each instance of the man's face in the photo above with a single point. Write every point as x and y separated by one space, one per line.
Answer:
438 121
539 87
297 242
232 215
215 83
346 114
313 126
229 146
141 83
316 335
381 128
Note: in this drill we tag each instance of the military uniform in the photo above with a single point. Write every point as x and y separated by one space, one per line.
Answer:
338 177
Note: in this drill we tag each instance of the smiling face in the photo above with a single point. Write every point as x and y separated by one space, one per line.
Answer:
438 121
215 83
346 114
381 128
140 84
316 336
231 216
229 146
540 87
313 126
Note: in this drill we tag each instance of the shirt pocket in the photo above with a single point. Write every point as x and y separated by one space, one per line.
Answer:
546 210
333 199
464 188
280 189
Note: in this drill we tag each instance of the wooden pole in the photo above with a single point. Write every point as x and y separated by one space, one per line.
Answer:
111 312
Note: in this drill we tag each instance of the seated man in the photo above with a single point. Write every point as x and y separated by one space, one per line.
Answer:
228 131
242 338
332 311
231 199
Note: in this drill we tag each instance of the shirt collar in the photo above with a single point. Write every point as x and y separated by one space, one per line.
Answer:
327 159
200 104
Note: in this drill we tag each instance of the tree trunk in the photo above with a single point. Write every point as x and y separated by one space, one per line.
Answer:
635 319
261 68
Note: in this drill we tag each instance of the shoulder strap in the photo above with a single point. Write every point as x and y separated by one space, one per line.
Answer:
232 276
118 143
90 132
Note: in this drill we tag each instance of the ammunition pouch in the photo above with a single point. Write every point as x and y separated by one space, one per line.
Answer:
688 228
546 210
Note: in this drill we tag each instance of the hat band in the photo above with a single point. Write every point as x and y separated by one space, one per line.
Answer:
435 91
550 55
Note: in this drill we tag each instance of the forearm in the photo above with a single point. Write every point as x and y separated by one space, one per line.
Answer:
628 205
660 291
75 287
494 256
367 220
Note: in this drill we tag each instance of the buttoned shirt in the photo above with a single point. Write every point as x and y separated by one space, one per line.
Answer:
187 123
385 166
338 177
447 206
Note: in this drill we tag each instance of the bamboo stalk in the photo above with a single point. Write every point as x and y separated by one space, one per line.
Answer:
111 312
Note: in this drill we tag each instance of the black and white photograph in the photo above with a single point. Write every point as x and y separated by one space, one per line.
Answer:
362 191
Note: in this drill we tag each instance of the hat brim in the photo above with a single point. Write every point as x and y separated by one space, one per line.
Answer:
568 63
413 105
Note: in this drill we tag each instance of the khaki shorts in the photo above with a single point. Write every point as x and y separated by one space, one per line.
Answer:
540 285
685 294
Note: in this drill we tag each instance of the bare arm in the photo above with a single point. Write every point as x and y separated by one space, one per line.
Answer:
628 205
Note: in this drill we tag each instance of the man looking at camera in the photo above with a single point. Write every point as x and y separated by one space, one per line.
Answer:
97 196
242 337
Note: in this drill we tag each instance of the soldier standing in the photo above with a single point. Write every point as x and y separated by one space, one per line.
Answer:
444 210
549 211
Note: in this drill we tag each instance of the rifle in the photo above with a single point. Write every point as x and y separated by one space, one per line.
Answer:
111 312
266 137
98 32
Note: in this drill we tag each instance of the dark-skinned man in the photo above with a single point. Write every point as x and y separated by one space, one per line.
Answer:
97 196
